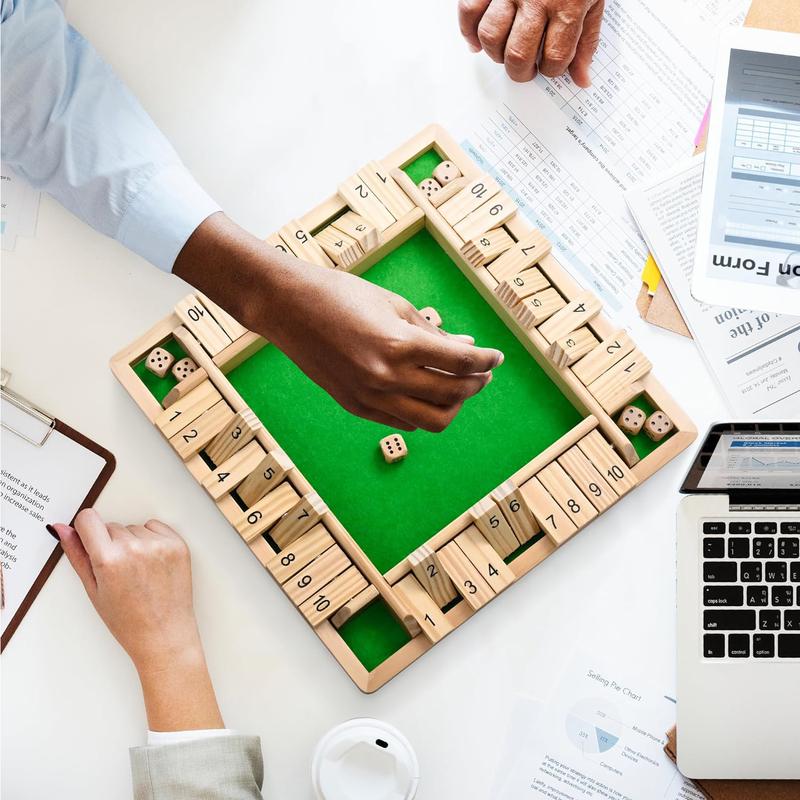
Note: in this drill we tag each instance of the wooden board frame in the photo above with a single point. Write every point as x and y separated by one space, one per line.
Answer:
424 214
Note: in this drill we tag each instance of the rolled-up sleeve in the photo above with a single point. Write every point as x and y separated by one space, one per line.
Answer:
73 129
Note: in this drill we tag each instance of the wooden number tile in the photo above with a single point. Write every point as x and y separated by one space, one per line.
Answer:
495 527
273 240
509 498
607 462
267 511
449 190
194 315
465 576
587 478
535 309
567 494
568 349
342 249
615 397
425 565
423 608
528 251
611 385
603 357
234 329
328 600
234 436
300 553
483 249
549 514
265 476
197 434
303 244
365 203
306 513
320 572
513 291
228 475
574 314
188 408
485 558
492 214
471 197
184 386
386 189
354 605
358 228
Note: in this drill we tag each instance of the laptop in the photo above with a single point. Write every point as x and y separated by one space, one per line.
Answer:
739 604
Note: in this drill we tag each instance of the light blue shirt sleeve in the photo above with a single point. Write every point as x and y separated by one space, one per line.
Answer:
72 128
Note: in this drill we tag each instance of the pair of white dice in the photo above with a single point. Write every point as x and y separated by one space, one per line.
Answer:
160 360
444 173
656 426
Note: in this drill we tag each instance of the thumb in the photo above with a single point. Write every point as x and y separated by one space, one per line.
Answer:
77 556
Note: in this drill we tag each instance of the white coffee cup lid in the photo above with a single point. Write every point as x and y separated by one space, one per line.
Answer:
364 759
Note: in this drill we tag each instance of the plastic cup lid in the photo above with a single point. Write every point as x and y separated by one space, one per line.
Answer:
364 759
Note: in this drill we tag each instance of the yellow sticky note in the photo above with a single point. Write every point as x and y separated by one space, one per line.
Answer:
651 275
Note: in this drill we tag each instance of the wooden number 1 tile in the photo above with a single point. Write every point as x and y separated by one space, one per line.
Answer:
423 608
187 409
465 576
386 190
549 514
485 558
425 565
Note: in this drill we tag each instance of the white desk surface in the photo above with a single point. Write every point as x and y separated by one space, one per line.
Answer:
271 104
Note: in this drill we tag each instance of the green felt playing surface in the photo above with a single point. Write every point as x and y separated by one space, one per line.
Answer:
422 166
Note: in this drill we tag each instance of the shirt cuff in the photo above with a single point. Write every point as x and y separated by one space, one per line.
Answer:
173 737
163 215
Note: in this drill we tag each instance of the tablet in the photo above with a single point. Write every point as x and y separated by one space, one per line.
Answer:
748 236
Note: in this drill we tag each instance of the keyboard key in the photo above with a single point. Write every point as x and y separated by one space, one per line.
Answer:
738 548
789 645
764 645
791 620
788 548
791 528
782 595
794 572
775 571
763 528
739 645
719 571
763 548
714 645
757 596
769 620
739 527
713 527
751 571
714 548
739 620
724 595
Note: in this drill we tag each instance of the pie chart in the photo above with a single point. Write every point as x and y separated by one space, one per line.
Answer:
593 726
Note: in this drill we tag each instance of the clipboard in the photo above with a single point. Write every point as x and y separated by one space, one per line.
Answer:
50 424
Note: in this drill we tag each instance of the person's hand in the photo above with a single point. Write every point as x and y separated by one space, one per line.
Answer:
514 32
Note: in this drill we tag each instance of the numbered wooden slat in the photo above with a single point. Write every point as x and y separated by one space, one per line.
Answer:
234 436
483 249
304 515
513 291
358 228
447 191
266 475
471 197
342 249
607 462
365 203
567 494
568 349
576 313
228 475
626 371
182 388
509 498
234 329
465 576
603 357
320 572
425 565
549 514
187 409
386 190
619 396
190 440
492 214
485 559
601 495
273 240
300 553
267 511
486 514
529 250
303 244
326 602
536 309
354 605
197 319
423 608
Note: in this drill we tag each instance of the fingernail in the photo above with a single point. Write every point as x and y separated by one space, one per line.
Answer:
489 379
500 359
53 532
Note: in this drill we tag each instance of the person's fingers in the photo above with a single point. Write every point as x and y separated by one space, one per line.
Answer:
375 413
560 42
524 41
94 535
469 15
118 531
450 355
161 528
461 337
494 27
420 414
587 46
442 388
77 556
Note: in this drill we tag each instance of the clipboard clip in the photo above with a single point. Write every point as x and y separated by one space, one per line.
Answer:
28 408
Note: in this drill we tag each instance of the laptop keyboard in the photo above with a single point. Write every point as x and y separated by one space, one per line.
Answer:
751 589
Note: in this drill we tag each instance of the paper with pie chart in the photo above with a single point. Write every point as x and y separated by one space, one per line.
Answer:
594 726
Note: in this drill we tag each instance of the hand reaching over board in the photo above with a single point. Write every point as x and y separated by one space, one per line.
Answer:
370 349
